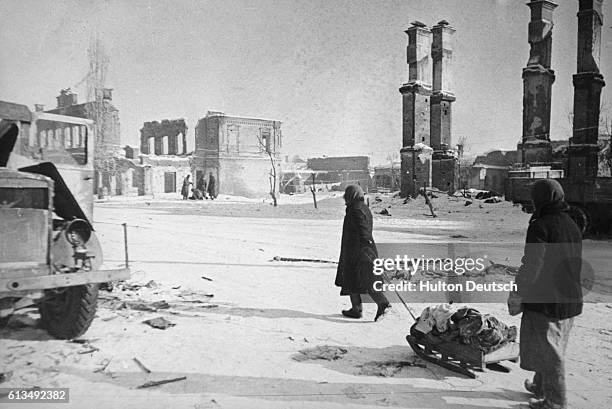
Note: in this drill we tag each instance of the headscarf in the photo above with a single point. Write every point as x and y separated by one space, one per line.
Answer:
353 194
547 194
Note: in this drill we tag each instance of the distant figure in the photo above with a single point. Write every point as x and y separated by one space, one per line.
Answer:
549 286
202 184
357 253
185 188
196 194
212 184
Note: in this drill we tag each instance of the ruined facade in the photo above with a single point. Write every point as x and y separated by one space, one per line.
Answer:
426 156
167 137
584 150
163 161
239 152
538 78
101 111
160 175
342 171
107 144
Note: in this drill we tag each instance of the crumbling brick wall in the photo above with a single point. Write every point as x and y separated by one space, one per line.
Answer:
416 169
175 130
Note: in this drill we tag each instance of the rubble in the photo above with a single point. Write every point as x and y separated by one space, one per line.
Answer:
384 212
162 382
105 363
5 376
306 260
148 306
22 321
159 323
387 368
141 366
325 352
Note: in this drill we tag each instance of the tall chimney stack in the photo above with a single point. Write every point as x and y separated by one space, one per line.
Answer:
538 78
416 92
442 97
588 82
416 161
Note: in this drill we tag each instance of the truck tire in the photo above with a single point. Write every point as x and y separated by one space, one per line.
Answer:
68 314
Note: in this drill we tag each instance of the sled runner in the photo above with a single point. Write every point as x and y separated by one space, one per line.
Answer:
463 359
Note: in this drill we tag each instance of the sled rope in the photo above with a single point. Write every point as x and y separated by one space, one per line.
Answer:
385 279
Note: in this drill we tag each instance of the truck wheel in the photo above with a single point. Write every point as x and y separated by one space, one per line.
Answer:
581 217
68 314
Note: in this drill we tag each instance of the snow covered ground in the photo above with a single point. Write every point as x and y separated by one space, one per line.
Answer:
236 348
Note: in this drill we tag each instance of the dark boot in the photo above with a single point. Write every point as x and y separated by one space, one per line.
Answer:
356 309
382 303
352 313
381 311
535 386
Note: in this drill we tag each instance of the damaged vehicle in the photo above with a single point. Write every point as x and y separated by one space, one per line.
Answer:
50 255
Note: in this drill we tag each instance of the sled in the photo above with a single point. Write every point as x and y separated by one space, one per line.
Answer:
464 359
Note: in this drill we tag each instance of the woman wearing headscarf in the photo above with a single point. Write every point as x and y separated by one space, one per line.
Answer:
185 187
357 253
549 286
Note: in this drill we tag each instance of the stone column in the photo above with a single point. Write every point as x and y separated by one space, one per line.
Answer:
442 97
538 78
415 105
444 174
588 82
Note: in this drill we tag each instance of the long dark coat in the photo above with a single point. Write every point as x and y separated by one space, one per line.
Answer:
357 252
549 280
212 186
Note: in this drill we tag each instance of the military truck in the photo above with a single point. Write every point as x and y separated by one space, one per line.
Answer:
50 255
590 198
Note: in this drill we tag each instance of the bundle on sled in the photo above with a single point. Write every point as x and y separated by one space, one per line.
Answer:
464 340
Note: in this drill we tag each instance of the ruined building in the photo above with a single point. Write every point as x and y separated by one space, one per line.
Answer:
167 137
583 167
583 153
164 160
107 144
241 153
102 111
426 156
581 159
538 78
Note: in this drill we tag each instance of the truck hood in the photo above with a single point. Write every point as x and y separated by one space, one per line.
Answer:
64 203
8 137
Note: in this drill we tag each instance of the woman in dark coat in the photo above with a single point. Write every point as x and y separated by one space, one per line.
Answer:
549 285
212 186
357 253
185 187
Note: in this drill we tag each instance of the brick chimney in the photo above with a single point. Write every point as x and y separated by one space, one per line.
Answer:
538 78
588 82
442 97
107 94
66 98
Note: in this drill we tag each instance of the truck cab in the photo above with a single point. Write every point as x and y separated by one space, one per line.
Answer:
49 252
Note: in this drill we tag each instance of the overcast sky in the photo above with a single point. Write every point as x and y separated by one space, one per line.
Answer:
329 70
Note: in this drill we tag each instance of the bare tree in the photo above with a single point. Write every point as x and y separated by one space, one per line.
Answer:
392 157
272 175
313 190
464 163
